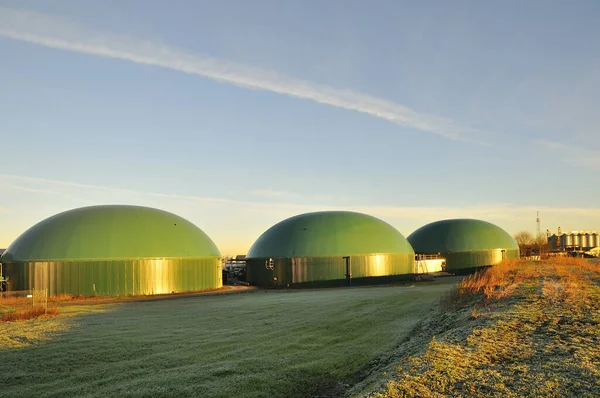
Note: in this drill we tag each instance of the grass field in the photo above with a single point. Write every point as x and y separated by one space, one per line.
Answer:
261 344
517 329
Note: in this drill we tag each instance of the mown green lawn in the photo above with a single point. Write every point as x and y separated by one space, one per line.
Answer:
262 344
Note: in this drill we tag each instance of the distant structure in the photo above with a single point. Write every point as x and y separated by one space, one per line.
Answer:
466 244
537 220
573 241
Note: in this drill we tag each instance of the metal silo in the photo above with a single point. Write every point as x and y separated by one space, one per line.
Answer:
554 242
568 241
113 251
584 238
465 243
595 239
576 239
327 248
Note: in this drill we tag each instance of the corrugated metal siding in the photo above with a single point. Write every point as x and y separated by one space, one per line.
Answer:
291 271
116 278
472 259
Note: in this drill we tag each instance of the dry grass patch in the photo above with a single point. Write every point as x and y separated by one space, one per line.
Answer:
532 329
34 312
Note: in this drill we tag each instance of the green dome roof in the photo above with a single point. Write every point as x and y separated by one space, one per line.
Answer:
460 235
111 232
329 233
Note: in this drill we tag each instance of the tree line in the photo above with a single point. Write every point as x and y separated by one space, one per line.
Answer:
530 244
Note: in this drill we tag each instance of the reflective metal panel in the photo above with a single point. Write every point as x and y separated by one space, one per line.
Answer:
116 278
472 259
568 241
583 238
290 271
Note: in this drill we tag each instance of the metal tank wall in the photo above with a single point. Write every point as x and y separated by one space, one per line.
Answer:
568 241
556 242
583 239
465 243
309 249
466 260
113 250
329 270
116 278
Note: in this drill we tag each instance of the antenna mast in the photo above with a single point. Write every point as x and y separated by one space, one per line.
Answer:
537 220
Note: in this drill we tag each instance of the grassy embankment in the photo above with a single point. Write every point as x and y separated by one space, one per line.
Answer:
278 343
517 329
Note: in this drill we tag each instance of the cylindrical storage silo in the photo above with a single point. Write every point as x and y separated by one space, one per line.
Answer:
576 239
586 240
113 251
568 241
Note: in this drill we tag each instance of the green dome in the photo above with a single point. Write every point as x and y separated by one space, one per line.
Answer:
109 233
460 235
329 233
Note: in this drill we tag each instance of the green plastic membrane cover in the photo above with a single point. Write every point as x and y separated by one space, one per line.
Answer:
329 233
460 235
111 232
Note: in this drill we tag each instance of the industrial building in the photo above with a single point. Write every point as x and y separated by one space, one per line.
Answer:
113 250
329 247
465 243
573 241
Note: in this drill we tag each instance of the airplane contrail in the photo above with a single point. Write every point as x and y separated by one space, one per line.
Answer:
60 33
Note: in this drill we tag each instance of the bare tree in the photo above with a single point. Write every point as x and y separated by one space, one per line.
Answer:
524 238
531 245
540 240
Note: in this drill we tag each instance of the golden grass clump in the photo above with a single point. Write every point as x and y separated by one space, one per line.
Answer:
21 315
533 331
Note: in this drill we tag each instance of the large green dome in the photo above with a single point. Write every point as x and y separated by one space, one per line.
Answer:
329 233
460 235
111 232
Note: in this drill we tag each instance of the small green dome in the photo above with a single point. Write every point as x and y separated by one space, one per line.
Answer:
460 235
111 232
329 233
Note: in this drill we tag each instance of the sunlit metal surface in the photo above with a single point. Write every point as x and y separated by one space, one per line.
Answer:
472 259
464 243
290 271
116 278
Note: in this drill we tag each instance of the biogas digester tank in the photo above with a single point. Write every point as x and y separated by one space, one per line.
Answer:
113 250
309 249
465 243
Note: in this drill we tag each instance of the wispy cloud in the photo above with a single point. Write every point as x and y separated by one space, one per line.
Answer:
270 193
577 156
59 33
50 186
508 213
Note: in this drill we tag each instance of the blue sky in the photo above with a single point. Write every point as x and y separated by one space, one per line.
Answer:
238 114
